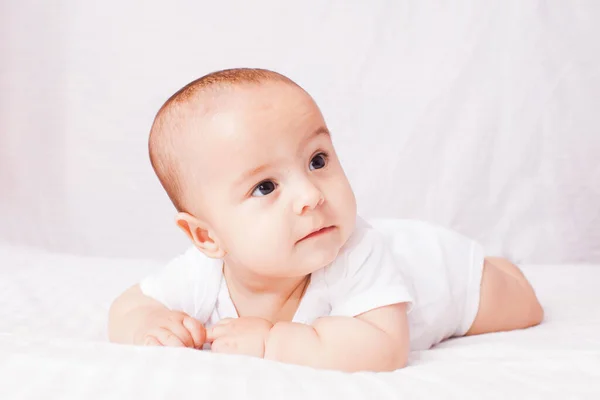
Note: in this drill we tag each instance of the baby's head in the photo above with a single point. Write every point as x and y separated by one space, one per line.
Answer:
247 160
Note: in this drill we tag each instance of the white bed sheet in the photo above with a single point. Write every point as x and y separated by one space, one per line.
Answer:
52 345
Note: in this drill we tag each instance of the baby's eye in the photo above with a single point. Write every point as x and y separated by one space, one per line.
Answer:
264 188
318 161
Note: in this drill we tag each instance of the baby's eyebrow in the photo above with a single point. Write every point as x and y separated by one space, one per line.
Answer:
251 173
322 130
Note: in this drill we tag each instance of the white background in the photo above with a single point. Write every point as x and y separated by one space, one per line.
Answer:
482 116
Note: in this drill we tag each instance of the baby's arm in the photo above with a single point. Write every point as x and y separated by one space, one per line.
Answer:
377 340
138 319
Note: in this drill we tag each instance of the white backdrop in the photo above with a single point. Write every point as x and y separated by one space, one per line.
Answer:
480 115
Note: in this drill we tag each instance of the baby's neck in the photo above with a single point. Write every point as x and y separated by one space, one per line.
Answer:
274 299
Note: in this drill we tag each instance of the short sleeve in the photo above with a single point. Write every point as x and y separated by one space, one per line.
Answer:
188 283
366 276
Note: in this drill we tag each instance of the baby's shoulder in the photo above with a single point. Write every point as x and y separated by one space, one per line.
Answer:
189 282
193 261
365 275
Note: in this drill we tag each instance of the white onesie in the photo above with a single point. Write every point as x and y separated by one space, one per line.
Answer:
436 271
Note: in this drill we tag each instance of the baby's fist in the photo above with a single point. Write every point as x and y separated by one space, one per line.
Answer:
171 328
245 335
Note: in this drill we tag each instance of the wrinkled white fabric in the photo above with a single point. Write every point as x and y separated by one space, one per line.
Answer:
53 333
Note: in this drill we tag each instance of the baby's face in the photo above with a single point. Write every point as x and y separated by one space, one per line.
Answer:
276 197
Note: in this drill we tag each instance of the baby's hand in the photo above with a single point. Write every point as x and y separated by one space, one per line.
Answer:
245 335
170 328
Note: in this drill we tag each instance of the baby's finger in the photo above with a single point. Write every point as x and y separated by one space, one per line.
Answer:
197 331
216 332
151 341
168 338
177 328
224 345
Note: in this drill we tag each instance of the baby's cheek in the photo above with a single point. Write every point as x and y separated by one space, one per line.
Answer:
341 197
263 245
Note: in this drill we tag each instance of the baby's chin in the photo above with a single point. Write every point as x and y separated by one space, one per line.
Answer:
313 257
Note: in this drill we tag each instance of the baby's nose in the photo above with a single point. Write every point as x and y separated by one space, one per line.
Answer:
310 198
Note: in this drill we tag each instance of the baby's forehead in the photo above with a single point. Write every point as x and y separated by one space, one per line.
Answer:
199 112
245 122
243 107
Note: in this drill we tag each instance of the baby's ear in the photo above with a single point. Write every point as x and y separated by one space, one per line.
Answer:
199 234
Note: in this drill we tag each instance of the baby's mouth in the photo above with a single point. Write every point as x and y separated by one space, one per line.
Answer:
317 233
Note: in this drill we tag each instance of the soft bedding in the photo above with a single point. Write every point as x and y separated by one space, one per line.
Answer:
53 310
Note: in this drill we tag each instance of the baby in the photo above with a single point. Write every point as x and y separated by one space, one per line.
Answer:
281 266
